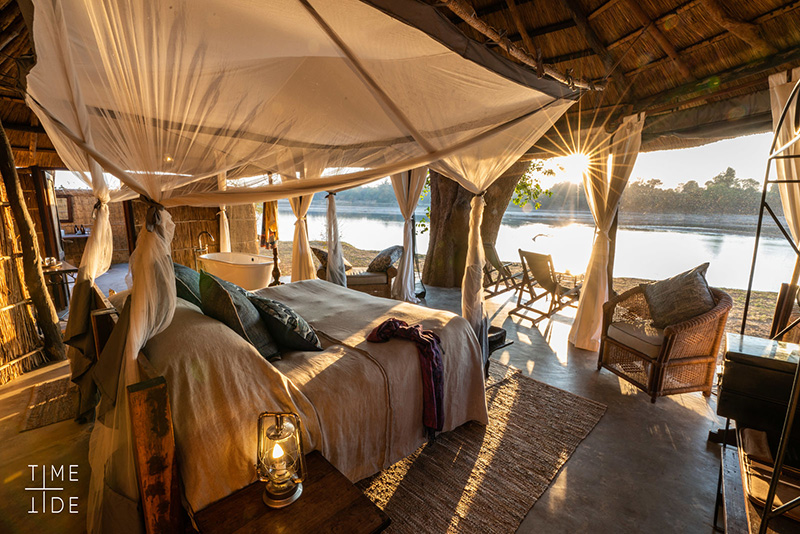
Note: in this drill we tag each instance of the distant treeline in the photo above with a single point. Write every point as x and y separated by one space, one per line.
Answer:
724 193
380 194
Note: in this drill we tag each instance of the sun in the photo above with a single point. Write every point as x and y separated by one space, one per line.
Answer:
571 168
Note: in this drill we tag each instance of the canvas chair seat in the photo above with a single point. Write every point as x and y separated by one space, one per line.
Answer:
540 281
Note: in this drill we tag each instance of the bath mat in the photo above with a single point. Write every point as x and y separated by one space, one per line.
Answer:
485 479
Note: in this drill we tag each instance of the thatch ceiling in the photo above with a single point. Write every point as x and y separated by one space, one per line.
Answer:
698 68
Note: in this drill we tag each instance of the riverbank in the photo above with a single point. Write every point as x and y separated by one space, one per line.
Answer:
762 303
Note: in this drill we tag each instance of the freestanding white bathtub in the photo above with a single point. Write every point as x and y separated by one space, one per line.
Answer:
248 271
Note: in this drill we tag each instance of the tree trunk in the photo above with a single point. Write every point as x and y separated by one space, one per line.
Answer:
34 278
449 224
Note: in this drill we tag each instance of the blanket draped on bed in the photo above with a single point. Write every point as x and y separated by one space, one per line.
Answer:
430 361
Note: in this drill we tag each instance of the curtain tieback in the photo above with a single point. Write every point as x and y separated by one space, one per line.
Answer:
154 209
331 194
97 205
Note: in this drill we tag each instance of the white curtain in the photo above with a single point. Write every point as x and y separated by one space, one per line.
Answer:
302 260
407 188
224 226
335 272
780 87
609 170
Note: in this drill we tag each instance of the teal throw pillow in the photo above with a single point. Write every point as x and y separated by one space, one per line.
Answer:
289 330
228 303
187 283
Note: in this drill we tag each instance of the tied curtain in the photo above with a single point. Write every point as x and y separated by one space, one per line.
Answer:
780 87
302 261
224 226
605 180
321 94
407 188
335 271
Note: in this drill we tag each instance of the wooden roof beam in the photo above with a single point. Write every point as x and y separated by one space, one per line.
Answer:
544 30
600 10
746 31
517 18
660 38
582 21
576 11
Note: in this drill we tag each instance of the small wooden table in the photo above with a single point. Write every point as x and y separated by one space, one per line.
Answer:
57 276
329 503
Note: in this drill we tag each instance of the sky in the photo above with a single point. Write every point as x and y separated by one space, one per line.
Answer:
747 155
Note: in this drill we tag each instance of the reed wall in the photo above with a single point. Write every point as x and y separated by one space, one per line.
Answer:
20 349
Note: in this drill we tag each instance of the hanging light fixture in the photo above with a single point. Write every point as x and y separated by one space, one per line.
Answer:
281 463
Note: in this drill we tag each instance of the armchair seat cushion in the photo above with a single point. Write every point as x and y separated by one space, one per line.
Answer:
360 276
640 337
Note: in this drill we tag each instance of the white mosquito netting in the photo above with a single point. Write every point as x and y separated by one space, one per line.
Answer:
323 94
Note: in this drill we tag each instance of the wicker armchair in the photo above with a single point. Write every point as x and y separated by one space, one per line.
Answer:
678 359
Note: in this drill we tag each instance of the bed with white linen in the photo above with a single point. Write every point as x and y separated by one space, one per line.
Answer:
360 402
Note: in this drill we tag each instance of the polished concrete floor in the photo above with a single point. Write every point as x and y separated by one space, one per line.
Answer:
644 468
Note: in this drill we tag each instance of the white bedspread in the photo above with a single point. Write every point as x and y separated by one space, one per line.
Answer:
360 402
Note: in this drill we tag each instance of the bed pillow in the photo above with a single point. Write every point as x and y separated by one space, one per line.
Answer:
187 283
385 259
679 298
228 303
289 330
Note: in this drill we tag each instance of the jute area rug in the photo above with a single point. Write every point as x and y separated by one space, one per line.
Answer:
485 479
50 403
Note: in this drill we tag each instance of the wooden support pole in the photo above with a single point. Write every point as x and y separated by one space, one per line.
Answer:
32 269
154 452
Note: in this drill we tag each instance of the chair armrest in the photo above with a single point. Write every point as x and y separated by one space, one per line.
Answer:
391 272
611 304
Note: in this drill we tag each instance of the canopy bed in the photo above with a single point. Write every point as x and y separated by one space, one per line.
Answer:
318 95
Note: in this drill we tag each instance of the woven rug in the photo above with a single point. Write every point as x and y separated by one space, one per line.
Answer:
485 479
50 403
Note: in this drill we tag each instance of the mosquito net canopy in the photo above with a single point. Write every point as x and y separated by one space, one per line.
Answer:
321 94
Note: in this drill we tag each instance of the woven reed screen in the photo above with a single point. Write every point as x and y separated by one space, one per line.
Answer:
20 344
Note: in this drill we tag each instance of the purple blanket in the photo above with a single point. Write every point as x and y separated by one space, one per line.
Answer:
430 359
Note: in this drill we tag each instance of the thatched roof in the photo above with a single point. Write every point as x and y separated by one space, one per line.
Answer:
30 144
697 67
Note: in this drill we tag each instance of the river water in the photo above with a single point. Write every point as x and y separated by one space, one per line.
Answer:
648 246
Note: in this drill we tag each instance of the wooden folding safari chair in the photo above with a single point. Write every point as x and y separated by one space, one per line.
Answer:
539 281
495 273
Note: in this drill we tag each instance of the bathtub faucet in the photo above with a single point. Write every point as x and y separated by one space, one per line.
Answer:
202 248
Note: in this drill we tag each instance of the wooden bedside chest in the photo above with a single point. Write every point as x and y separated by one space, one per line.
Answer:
329 503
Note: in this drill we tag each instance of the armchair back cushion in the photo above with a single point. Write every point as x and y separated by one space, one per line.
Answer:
679 298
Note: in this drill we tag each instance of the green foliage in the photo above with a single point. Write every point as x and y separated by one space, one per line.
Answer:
528 189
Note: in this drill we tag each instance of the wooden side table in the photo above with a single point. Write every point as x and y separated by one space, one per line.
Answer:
329 503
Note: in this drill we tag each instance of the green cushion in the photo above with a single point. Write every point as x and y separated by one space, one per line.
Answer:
228 303
679 298
289 330
385 259
187 283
